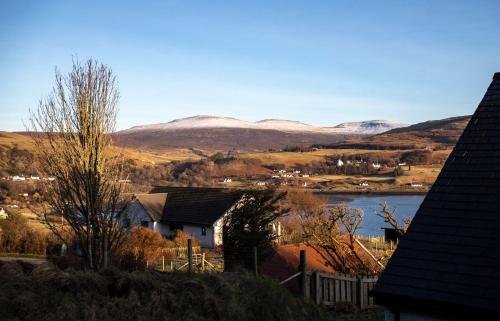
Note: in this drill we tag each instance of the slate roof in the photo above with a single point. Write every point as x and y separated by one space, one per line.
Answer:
196 205
451 252
153 204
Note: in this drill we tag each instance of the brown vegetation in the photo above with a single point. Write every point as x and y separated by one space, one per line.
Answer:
140 247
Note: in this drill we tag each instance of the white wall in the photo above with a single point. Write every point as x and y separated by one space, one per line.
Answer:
218 232
205 240
136 214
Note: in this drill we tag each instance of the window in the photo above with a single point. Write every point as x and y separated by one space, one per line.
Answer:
126 223
145 223
203 230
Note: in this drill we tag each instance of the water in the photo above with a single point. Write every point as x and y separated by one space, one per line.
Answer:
406 206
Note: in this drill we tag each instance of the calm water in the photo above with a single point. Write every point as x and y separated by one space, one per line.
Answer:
406 205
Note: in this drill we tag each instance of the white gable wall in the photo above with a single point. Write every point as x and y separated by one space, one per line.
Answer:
136 214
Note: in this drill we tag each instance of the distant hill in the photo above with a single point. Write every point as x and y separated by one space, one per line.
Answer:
442 133
226 133
204 121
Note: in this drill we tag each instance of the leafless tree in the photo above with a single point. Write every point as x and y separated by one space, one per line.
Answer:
71 130
330 231
389 216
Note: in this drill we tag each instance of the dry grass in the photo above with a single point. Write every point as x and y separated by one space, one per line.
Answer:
9 140
48 294
149 158
289 159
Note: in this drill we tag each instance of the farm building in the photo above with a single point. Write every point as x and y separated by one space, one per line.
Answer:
196 211
445 267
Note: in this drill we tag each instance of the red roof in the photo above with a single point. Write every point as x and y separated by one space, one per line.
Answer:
284 262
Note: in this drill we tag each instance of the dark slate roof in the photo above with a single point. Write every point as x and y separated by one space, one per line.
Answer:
197 205
153 204
451 252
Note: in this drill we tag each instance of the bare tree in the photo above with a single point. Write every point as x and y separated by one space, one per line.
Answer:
333 235
330 231
71 130
389 216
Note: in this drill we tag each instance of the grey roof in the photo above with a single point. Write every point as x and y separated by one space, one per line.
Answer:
451 252
153 204
197 205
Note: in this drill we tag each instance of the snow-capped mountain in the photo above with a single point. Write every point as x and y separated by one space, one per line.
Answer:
369 127
365 127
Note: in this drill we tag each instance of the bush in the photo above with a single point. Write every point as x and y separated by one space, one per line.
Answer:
417 157
181 238
116 295
248 225
141 246
17 237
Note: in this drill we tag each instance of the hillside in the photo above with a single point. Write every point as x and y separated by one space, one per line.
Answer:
437 134
212 133
43 292
204 121
222 139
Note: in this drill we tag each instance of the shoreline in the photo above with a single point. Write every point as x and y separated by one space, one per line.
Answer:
374 193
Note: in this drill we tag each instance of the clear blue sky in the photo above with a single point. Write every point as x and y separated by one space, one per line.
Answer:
322 62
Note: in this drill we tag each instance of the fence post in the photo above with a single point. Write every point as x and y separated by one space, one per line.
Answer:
303 275
203 262
317 288
190 256
255 262
163 263
360 294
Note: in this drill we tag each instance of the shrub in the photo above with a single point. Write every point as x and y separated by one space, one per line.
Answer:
417 157
16 236
181 238
141 246
117 295
248 225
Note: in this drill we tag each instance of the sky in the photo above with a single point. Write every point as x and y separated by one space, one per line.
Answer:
320 62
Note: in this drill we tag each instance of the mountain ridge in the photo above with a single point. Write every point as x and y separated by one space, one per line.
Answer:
208 121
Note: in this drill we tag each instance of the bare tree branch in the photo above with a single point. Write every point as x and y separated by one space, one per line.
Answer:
71 130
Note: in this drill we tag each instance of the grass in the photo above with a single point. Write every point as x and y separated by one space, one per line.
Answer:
42 294
25 255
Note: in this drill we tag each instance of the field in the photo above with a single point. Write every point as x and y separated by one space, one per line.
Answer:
10 140
383 180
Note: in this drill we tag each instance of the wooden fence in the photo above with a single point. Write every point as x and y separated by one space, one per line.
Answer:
331 288
189 258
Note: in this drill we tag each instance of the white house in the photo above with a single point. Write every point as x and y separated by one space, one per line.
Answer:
376 165
3 214
196 211
340 163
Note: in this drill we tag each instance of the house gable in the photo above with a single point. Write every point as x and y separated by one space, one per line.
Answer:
450 254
